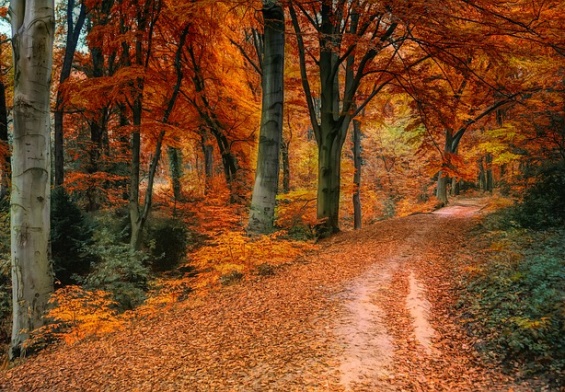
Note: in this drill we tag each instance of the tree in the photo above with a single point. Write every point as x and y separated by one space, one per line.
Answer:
362 37
33 26
357 161
73 33
263 202
169 105
226 108
143 23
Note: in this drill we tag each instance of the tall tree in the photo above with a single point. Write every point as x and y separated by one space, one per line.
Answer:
226 108
73 33
169 105
362 37
357 162
263 202
33 25
144 21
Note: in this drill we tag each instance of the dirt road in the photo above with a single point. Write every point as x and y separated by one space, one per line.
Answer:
369 312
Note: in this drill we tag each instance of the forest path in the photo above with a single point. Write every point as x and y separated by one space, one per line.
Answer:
368 312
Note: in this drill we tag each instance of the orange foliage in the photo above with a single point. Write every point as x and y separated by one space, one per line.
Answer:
4 151
297 208
234 251
77 314
105 187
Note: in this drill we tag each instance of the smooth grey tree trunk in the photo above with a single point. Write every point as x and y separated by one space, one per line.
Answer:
263 202
285 161
33 27
357 176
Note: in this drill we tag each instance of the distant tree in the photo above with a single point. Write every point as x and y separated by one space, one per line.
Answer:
357 162
74 29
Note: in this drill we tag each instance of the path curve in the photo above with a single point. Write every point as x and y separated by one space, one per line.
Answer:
365 313
368 353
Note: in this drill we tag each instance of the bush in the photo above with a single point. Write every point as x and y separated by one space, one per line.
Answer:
543 205
116 222
118 271
167 240
516 305
71 234
301 232
231 278
265 269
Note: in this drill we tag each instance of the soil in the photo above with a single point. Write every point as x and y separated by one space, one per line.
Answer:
370 311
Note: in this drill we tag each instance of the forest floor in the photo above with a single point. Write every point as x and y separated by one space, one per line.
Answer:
372 310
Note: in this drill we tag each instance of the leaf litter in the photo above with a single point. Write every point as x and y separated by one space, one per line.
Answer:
370 311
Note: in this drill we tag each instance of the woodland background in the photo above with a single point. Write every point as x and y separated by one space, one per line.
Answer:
461 96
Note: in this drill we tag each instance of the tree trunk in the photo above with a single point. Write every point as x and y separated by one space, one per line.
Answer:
5 164
208 153
263 202
357 175
451 145
481 174
329 181
455 186
285 147
33 26
146 18
229 161
73 33
175 165
337 102
489 175
441 192
136 219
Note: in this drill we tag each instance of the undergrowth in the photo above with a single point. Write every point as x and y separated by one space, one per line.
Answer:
5 273
514 303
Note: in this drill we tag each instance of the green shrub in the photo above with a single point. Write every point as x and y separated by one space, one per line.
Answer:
71 234
265 269
516 305
543 204
167 240
301 232
118 271
231 278
116 222
389 208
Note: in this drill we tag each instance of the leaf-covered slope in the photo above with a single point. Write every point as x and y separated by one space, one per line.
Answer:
281 332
